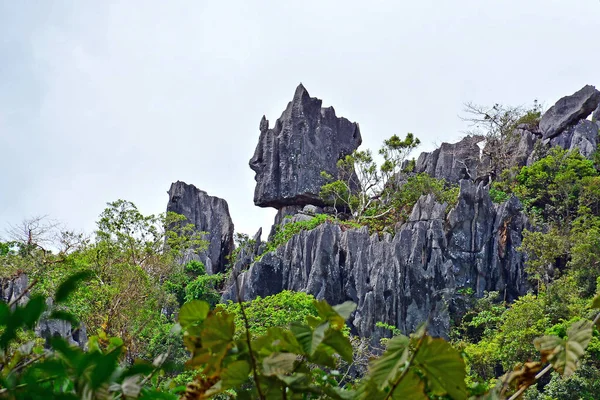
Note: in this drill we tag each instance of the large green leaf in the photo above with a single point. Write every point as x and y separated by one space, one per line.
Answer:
308 338
104 367
410 387
235 374
345 309
33 311
4 313
279 363
217 330
336 315
69 285
564 354
386 368
596 301
443 366
193 313
340 343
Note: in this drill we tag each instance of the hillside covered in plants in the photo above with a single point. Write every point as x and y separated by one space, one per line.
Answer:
467 272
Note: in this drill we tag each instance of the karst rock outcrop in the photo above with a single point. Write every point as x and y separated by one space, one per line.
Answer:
568 111
453 161
419 273
209 214
14 291
564 124
289 158
407 278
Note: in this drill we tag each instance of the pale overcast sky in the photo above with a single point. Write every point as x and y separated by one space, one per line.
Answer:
101 100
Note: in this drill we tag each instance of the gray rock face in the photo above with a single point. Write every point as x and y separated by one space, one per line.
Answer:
596 114
569 110
453 161
289 157
12 288
584 137
209 214
50 328
409 278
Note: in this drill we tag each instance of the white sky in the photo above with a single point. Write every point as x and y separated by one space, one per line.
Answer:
101 100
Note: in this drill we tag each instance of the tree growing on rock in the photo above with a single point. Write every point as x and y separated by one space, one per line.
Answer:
362 185
499 125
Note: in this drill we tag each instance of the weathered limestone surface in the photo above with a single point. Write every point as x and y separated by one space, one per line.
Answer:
289 158
453 161
209 214
13 288
569 110
409 278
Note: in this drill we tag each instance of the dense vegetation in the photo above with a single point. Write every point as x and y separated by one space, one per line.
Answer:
157 328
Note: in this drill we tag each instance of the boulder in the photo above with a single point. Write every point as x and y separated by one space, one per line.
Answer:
289 158
209 214
569 110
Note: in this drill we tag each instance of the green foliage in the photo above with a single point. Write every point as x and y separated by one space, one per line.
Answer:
231 357
204 287
67 372
497 195
403 199
285 231
278 310
583 385
190 282
361 185
554 184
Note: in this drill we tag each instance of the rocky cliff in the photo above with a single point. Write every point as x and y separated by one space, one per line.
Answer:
564 124
289 158
419 273
209 214
14 290
411 277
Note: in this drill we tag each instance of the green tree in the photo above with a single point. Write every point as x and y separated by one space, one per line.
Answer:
362 185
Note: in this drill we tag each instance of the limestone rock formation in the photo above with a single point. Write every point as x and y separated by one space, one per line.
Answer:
14 288
411 277
49 328
583 136
453 161
209 214
417 273
569 110
289 157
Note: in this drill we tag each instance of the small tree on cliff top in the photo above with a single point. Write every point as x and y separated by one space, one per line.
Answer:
361 184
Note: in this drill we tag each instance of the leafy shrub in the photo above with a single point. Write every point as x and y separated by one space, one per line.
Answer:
404 198
498 196
278 310
204 287
554 184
